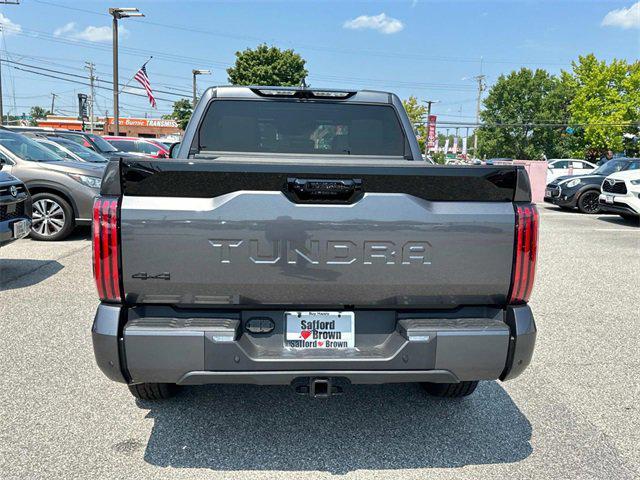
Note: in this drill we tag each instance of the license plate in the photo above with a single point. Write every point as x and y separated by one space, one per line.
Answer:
320 330
609 198
20 229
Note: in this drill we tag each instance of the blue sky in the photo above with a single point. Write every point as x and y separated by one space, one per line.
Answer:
425 48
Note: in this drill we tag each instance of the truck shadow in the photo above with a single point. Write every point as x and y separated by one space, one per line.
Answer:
21 272
233 428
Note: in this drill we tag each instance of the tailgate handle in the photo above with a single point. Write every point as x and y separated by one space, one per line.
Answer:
323 190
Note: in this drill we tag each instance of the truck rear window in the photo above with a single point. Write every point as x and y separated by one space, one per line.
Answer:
301 127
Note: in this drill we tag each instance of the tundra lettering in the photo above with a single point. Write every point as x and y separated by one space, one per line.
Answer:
314 252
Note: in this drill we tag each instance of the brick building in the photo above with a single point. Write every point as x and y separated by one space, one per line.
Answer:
130 127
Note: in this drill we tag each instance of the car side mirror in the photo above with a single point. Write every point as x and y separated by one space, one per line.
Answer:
173 150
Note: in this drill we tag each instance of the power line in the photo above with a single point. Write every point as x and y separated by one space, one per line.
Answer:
60 72
81 83
191 29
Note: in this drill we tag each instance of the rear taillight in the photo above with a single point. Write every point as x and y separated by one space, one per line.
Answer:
106 251
525 252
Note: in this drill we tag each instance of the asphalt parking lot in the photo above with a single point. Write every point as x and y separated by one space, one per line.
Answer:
575 413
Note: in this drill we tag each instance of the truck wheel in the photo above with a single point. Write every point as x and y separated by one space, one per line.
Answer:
52 217
450 390
153 391
588 202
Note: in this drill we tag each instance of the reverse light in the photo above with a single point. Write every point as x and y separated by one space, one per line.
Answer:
525 253
106 252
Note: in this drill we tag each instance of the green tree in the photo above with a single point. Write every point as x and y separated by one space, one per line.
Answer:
37 113
182 110
417 114
268 66
519 101
607 102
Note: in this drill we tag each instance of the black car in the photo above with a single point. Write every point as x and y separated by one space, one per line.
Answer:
15 209
582 191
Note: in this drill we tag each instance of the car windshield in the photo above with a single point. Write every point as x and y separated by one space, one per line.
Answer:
90 141
101 144
55 148
84 153
612 166
27 149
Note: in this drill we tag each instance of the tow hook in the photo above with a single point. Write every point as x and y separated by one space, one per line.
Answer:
318 388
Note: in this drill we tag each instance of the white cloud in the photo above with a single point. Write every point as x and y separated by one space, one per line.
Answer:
69 27
90 33
382 23
8 27
623 17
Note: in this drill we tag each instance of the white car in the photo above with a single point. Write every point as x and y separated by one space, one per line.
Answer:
558 167
621 194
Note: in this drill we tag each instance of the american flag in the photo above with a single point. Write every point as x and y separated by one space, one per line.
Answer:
143 80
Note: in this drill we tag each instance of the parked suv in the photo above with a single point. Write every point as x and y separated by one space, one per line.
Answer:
621 194
62 191
15 208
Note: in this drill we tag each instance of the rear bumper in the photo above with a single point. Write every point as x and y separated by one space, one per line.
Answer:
147 345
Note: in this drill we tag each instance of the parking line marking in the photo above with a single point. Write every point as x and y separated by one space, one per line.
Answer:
629 229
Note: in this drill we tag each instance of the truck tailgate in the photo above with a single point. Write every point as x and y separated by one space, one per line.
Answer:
243 232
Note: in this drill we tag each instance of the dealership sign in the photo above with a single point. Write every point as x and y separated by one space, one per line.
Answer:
145 122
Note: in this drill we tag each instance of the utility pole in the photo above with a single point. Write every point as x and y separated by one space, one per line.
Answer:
118 13
90 66
195 93
1 107
4 2
426 140
481 86
53 102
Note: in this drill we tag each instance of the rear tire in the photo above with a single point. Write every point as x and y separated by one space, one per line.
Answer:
450 390
588 202
153 391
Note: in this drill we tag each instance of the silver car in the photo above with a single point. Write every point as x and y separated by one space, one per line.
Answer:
62 191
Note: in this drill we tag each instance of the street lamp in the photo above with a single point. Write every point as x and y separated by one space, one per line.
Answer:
118 13
195 73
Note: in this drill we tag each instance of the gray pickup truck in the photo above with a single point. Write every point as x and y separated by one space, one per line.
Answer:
298 238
